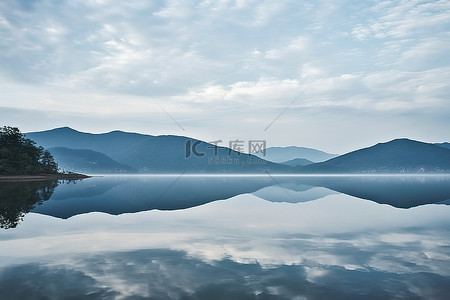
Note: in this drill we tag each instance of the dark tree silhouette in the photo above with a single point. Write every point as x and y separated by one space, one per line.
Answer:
18 198
21 156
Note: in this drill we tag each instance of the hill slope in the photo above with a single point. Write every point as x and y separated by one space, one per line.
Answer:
296 162
445 145
87 161
396 156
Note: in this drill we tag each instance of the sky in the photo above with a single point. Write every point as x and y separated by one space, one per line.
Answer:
327 74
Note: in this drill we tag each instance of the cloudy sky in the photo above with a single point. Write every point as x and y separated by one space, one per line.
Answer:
327 74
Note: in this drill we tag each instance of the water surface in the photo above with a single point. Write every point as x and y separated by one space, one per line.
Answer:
191 237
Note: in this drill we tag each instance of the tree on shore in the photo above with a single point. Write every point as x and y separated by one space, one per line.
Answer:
21 156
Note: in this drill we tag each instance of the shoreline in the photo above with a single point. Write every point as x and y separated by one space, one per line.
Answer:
42 177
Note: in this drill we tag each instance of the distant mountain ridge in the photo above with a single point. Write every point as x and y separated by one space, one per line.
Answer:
296 162
445 145
283 154
396 156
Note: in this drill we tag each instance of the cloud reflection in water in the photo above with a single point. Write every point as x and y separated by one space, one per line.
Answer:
242 248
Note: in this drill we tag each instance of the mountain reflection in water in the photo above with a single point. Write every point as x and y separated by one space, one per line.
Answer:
128 194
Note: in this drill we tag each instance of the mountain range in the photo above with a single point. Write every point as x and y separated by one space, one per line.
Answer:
123 152
396 156
141 153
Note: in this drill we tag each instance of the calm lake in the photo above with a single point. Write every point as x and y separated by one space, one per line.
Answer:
226 237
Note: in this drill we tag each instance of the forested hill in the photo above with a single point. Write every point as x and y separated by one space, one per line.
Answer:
21 156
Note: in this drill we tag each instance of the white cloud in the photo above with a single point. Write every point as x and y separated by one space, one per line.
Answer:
404 18
428 54
216 65
298 46
175 9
